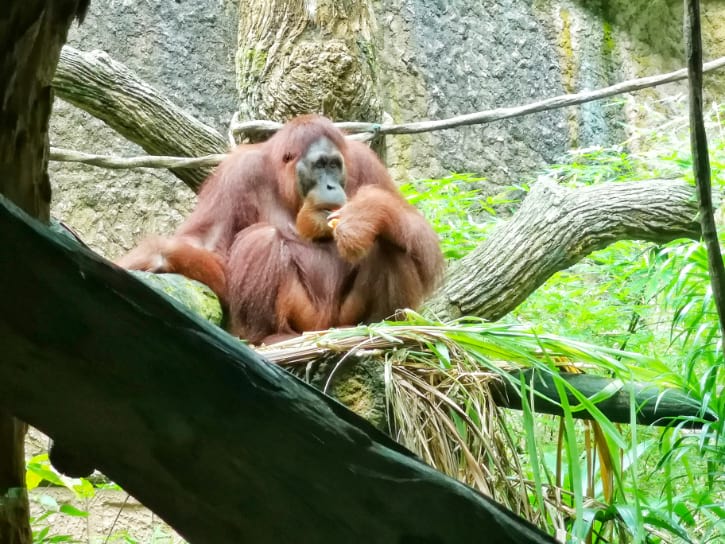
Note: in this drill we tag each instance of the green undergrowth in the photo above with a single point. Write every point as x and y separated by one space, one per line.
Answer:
651 299
633 312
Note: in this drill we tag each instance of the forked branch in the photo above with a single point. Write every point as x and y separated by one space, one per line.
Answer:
554 228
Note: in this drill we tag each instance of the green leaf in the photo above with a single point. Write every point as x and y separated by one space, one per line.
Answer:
71 510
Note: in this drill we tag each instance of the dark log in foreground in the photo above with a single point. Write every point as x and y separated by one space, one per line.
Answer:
31 35
109 91
654 406
224 446
555 228
701 158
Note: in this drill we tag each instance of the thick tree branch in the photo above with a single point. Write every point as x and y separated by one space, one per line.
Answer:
655 405
224 446
109 91
555 228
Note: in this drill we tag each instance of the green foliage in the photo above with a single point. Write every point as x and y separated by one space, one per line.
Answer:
654 300
667 485
458 210
40 473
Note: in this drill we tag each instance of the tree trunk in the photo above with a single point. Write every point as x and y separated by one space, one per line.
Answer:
31 35
14 509
324 62
554 228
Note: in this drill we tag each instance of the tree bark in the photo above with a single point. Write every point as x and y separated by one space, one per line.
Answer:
554 228
109 91
14 507
224 446
31 35
325 64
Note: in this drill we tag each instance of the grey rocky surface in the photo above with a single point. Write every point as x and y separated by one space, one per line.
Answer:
462 57
184 49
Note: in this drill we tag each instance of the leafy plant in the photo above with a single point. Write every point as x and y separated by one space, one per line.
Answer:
458 209
654 300
631 483
39 472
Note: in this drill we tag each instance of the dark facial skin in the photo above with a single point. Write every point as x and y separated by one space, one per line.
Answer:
321 176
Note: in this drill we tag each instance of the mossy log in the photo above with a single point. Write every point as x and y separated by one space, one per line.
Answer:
653 405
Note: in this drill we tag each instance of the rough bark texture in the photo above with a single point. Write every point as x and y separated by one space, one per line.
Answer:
14 508
109 91
31 35
222 445
307 57
555 228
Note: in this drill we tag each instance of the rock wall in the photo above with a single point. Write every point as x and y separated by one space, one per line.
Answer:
441 59
184 49
444 58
